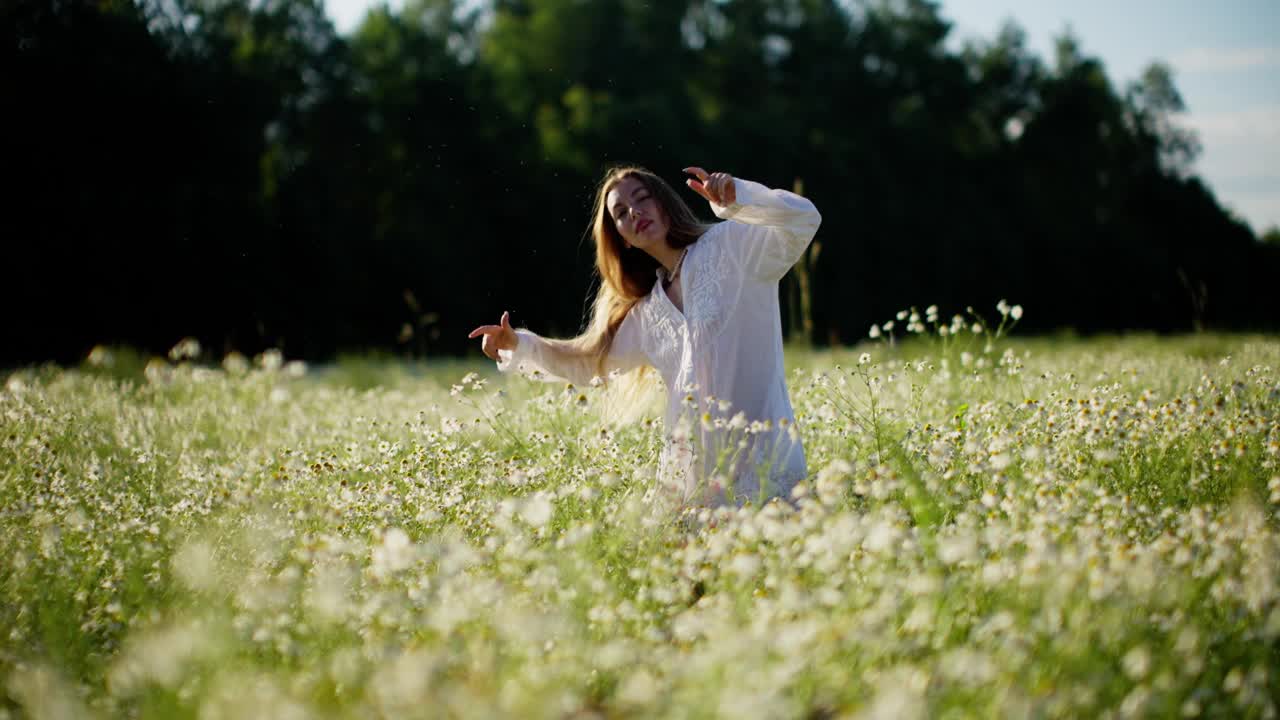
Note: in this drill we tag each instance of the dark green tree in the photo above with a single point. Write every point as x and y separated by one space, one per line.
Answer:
240 172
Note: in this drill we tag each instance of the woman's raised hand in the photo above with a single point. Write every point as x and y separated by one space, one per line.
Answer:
717 188
496 337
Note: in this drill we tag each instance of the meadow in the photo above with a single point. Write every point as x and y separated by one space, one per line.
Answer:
992 527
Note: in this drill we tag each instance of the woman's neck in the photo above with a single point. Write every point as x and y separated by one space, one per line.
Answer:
666 255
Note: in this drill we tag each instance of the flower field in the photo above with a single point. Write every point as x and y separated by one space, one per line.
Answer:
1048 528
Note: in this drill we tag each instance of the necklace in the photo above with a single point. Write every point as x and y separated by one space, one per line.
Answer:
675 271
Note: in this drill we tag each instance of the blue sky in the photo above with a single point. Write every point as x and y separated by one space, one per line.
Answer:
1225 55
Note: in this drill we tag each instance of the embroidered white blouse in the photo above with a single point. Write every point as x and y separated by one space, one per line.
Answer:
729 423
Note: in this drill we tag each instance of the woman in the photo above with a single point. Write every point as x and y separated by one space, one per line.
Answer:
709 323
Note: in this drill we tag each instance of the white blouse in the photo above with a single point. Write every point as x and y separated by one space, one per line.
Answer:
730 428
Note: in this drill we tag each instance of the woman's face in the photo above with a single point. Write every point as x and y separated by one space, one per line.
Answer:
637 214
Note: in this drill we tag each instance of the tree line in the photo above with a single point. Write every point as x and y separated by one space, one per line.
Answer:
241 173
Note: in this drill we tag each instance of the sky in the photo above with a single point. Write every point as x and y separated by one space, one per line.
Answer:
1225 55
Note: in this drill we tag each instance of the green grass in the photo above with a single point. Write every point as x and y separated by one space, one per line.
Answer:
1057 527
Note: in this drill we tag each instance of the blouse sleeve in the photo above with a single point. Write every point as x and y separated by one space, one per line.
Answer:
779 226
538 359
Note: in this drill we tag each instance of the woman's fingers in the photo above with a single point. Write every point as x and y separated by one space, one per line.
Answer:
715 187
700 184
495 337
503 326
699 188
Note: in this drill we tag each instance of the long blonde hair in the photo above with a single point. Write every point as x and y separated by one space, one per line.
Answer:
625 276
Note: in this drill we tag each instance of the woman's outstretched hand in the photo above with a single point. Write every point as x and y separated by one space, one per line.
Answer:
496 337
717 188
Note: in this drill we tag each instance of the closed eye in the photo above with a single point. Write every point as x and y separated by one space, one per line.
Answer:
619 213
